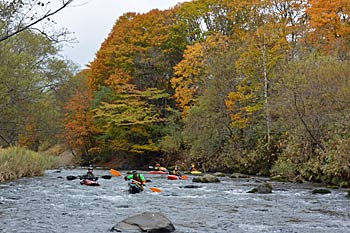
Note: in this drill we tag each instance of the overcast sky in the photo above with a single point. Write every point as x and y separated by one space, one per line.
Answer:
92 21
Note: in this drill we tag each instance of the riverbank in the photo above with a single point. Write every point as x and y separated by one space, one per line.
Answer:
17 162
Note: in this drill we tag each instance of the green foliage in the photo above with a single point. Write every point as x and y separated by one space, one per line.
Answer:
336 162
30 74
127 120
284 167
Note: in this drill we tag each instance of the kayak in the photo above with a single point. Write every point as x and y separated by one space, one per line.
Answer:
89 182
173 177
158 172
196 172
135 188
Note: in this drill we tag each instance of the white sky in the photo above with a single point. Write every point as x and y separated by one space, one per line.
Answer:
92 21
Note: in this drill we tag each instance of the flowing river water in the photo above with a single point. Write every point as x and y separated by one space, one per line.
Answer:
52 204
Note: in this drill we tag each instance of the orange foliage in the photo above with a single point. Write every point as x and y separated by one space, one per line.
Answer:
133 40
329 23
79 121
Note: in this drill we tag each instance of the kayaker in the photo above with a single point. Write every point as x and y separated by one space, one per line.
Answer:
176 171
137 177
160 168
192 168
89 175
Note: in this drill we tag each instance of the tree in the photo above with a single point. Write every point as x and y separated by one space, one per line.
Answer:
144 46
20 15
311 106
329 25
207 127
79 123
29 69
127 116
186 80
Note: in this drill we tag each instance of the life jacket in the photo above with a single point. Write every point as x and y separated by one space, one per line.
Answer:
137 178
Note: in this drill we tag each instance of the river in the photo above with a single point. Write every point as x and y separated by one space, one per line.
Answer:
52 204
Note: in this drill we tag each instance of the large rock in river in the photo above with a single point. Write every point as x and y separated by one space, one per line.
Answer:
152 222
206 179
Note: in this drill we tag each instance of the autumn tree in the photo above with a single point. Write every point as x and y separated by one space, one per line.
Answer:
126 116
207 122
187 73
329 25
145 46
79 124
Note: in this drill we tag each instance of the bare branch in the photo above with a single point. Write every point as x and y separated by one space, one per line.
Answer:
300 115
29 25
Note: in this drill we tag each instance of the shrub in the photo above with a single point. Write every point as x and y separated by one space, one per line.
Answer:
17 162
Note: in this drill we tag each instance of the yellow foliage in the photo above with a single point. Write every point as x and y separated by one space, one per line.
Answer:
241 105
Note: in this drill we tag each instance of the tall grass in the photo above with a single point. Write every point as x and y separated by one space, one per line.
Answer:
17 162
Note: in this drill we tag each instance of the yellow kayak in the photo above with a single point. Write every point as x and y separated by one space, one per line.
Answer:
196 172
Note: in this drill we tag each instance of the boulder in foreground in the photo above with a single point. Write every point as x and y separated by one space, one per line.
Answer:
151 222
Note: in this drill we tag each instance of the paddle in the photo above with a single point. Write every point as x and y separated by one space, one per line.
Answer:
117 173
107 177
138 184
72 177
184 177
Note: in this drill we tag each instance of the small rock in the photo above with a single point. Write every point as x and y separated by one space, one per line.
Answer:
321 191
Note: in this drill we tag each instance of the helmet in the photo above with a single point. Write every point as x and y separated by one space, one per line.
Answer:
90 168
192 165
158 165
134 172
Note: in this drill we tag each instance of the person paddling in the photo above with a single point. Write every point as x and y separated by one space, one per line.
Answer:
89 175
193 168
160 168
137 182
135 176
176 171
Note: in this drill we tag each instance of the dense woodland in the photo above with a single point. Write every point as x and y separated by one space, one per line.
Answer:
251 86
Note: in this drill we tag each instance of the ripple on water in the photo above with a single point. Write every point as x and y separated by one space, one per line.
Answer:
48 204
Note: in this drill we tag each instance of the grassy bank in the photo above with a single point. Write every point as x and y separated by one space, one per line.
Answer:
16 162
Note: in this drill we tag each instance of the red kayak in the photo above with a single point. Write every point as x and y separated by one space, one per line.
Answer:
173 177
158 172
90 182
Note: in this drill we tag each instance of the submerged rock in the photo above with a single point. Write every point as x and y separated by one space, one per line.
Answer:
263 188
219 174
321 191
152 222
279 178
238 175
206 179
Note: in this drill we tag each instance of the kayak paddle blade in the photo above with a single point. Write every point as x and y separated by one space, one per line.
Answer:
71 177
184 177
115 172
107 177
156 190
